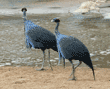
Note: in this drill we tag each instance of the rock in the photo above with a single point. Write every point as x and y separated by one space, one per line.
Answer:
7 64
56 58
104 5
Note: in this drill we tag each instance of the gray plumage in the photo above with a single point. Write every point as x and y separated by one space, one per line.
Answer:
71 48
38 37
42 38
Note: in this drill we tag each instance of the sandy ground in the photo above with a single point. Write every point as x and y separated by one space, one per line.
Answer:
29 78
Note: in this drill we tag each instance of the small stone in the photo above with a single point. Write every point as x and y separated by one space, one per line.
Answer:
93 38
66 60
8 64
52 60
38 60
96 59
56 58
30 63
103 52
91 54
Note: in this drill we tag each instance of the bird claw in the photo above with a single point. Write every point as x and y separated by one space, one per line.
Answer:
51 68
64 66
71 73
74 78
40 69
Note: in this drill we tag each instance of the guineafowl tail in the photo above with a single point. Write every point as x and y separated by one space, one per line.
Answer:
89 63
93 73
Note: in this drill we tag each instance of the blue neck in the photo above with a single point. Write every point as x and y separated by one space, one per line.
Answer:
24 15
56 29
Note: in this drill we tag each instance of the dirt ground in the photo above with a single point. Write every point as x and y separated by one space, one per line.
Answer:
29 78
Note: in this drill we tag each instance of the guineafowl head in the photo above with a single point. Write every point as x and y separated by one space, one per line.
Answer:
24 12
55 20
23 9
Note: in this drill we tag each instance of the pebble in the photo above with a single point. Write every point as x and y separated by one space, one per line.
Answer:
18 66
108 53
13 61
103 52
55 63
108 62
7 64
91 54
13 51
66 60
30 63
38 60
96 59
28 58
56 58
16 62
2 65
108 50
93 38
52 60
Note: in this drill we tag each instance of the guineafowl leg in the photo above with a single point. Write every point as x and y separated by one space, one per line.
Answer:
49 59
76 66
60 57
64 62
73 70
42 68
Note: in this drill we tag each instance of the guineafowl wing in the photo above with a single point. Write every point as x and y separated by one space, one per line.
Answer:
42 36
73 48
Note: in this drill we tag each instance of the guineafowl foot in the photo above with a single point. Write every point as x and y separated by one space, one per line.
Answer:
64 67
51 68
72 79
71 73
40 69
